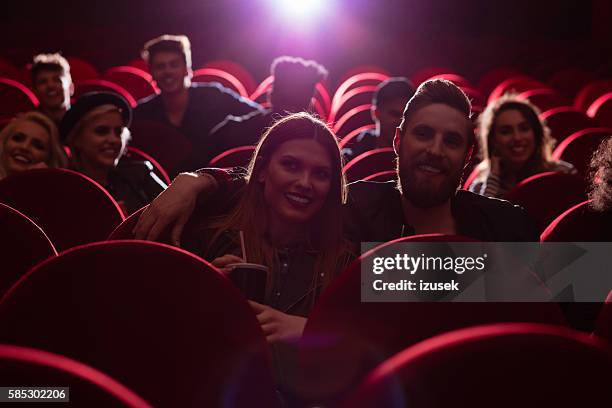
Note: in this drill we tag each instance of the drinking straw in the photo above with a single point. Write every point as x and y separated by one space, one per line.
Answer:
242 246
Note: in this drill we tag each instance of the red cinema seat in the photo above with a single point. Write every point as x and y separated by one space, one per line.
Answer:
236 157
361 95
71 208
224 78
137 82
148 315
28 367
490 79
15 98
546 195
101 85
370 162
163 142
507 365
350 138
579 223
456 79
140 64
23 245
382 176
565 120
545 98
81 70
9 70
590 92
354 81
235 69
516 84
133 153
578 148
604 322
346 337
355 118
569 81
427 72
601 110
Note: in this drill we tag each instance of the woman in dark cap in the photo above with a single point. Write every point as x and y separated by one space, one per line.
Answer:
96 128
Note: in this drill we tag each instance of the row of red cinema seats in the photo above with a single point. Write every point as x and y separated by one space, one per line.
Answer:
102 303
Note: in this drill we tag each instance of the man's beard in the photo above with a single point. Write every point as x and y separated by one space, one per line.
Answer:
420 191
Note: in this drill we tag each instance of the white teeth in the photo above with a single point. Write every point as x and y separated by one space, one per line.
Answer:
301 200
430 168
21 158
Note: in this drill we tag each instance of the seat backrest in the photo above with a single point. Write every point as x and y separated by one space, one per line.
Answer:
590 92
137 82
347 140
517 84
370 162
88 387
382 176
601 110
545 98
494 365
425 73
578 148
15 98
490 79
568 82
102 85
71 208
345 337
578 224
565 120
156 318
235 69
23 245
534 195
361 95
81 70
356 80
235 157
223 77
604 322
355 118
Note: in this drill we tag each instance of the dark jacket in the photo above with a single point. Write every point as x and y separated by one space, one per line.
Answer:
209 104
134 183
374 214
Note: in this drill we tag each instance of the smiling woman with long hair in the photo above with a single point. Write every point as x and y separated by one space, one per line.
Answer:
290 212
515 144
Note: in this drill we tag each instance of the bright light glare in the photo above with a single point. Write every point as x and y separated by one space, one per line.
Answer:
300 10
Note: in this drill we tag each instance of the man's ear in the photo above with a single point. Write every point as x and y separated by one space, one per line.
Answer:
396 140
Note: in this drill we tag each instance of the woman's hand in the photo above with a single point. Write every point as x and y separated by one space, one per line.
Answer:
173 207
277 325
222 262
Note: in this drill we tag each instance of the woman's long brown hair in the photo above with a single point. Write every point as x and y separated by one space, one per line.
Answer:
324 230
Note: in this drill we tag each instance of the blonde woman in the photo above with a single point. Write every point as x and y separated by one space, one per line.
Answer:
96 128
30 141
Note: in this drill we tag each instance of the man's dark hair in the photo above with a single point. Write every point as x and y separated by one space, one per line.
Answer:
443 92
49 62
168 43
392 89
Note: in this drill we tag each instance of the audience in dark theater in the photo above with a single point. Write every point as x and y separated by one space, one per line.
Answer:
515 144
96 129
52 85
30 141
292 91
387 106
395 211
193 108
